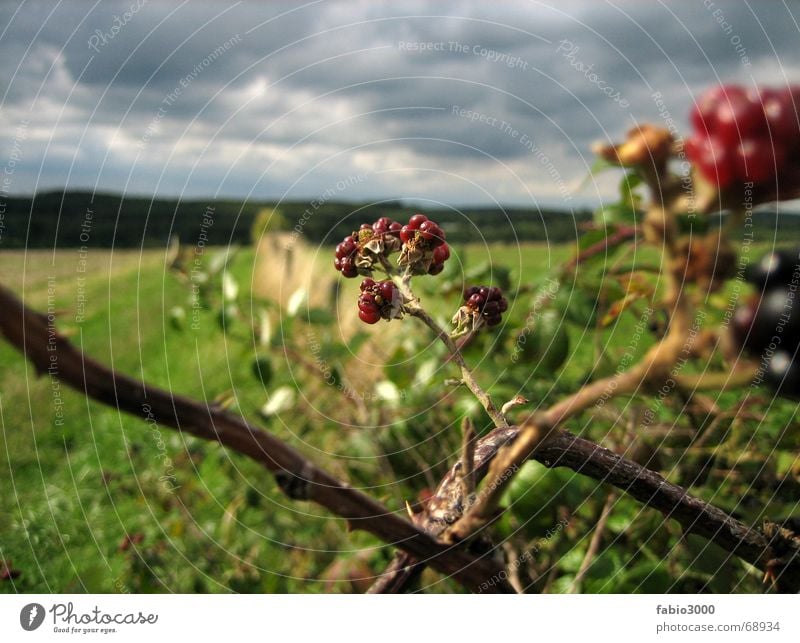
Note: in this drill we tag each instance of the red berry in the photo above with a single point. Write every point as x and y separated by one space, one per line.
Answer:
757 160
435 268
780 114
369 316
416 221
713 159
381 225
406 234
348 268
441 253
367 283
395 227
386 289
739 116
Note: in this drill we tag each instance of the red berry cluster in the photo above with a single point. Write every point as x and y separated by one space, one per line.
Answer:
359 250
487 302
378 300
744 135
424 244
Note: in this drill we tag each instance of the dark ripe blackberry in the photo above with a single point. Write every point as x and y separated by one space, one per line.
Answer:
777 316
777 268
783 374
487 302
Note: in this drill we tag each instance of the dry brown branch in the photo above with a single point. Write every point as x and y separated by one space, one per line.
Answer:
770 551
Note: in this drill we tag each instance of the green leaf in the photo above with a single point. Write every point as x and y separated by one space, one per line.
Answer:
319 316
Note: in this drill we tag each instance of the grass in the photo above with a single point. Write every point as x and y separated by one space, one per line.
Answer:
77 495
105 502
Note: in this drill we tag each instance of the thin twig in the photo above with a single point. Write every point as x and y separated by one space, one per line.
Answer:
594 545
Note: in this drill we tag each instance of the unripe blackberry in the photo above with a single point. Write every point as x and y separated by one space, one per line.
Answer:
378 300
344 260
360 251
424 248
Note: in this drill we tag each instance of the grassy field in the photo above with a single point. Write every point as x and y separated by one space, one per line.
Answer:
200 519
104 502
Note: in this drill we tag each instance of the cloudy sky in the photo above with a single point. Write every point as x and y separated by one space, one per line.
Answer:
450 102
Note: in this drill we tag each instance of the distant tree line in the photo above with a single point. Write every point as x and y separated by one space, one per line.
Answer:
78 219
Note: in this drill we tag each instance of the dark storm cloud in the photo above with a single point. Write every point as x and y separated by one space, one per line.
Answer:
285 99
